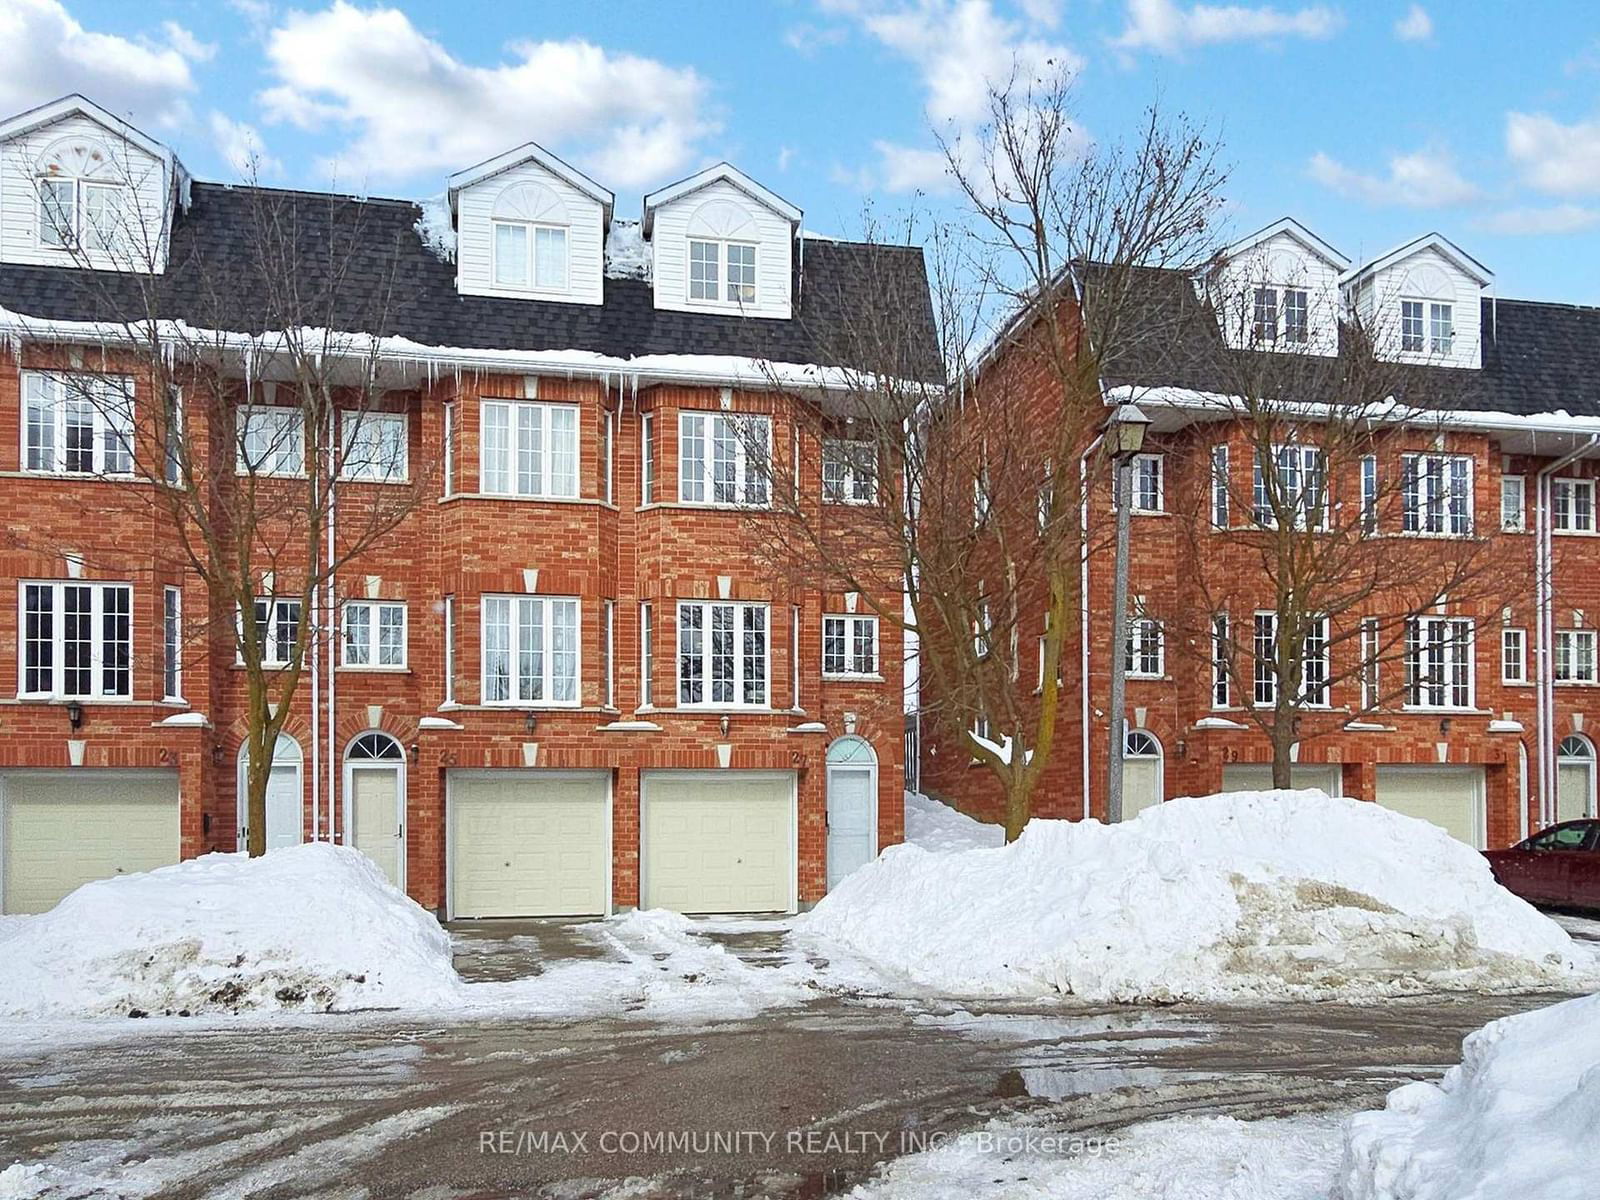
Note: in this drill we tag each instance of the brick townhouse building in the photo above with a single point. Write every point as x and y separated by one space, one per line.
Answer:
569 681
1492 740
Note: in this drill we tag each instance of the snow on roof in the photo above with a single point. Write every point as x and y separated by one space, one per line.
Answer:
628 255
436 229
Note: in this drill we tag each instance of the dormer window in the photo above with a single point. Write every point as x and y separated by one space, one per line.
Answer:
77 213
530 256
1441 328
1436 336
722 271
1296 318
1265 327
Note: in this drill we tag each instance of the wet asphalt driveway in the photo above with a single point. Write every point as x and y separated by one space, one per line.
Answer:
801 1102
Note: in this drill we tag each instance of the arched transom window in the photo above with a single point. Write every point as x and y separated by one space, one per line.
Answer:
375 747
722 254
81 190
530 224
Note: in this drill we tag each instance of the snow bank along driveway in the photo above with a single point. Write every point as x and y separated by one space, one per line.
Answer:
1247 894
317 928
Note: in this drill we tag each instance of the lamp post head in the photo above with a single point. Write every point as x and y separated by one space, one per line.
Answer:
1125 430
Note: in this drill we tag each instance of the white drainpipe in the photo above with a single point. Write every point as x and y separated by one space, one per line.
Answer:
1083 606
330 637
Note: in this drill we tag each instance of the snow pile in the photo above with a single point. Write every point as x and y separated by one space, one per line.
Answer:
627 253
311 928
942 829
1249 894
1516 1118
435 228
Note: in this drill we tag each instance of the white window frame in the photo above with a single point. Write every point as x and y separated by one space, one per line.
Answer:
531 231
547 680
98 591
1369 493
720 266
1573 661
1298 334
1456 651
846 484
608 647
284 446
80 234
448 450
1573 488
1264 314
707 609
794 657
1447 344
1221 677
172 644
647 458
1370 651
1421 340
449 650
608 431
849 627
374 610
1264 669
647 655
274 654
59 390
540 449
366 457
1306 457
1431 505
1221 494
1514 487
1146 644
1143 469
1513 656
751 482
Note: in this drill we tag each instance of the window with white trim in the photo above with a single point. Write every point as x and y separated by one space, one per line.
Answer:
647 655
1572 505
724 458
1264 318
1144 652
449 450
981 496
1219 486
449 649
608 647
374 634
849 471
849 646
982 635
1411 326
1314 667
77 640
277 627
1221 653
530 256
1371 647
722 654
1149 483
794 656
530 650
1513 504
376 446
77 424
647 458
1439 662
1575 658
1295 479
608 434
1436 494
271 440
722 272
173 450
171 644
1441 328
1296 316
1047 495
1513 656
529 449
79 214
1369 493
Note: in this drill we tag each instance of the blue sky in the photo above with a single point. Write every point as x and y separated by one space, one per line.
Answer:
1370 120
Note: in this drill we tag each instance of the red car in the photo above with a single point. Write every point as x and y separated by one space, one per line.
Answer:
1559 866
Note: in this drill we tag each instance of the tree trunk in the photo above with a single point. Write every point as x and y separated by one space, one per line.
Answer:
258 770
1282 752
1019 804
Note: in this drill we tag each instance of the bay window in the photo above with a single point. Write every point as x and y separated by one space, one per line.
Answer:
722 654
530 650
171 644
1436 494
723 458
76 424
529 449
1314 662
77 641
1291 481
1439 662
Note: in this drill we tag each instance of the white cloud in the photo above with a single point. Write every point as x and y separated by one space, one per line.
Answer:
785 157
1415 26
1561 159
808 39
1162 26
48 53
186 44
912 169
1424 179
241 147
411 107
1558 218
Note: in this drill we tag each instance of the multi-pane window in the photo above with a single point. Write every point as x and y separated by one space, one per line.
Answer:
1436 493
849 472
1441 328
271 440
374 634
1439 662
722 654
1314 665
1265 644
1294 479
1513 504
1572 504
448 450
1370 650
1264 318
1513 656
1143 653
450 649
1369 493
794 656
1148 483
529 449
1313 662
1219 486
723 458
78 214
1296 318
1221 652
722 271
530 650
647 458
171 644
277 626
530 256
849 645
77 424
1411 331
608 439
77 640
608 648
1575 661
647 655
375 446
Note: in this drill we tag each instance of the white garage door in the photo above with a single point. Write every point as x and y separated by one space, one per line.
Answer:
528 843
1257 777
60 829
720 843
1450 797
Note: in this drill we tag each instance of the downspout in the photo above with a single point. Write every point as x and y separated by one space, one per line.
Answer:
1083 605
316 728
1544 620
331 640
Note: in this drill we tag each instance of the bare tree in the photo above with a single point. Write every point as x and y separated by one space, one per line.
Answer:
959 451
234 389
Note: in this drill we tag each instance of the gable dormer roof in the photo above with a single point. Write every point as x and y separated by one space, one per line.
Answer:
1290 227
76 105
531 152
726 173
1429 241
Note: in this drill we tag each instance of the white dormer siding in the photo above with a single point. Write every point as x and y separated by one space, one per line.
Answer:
1422 303
1278 289
79 188
528 227
721 243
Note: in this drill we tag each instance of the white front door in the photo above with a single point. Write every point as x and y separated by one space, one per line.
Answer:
285 818
1141 785
375 819
851 843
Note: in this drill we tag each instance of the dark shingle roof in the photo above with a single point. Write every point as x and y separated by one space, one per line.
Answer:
360 265
1537 358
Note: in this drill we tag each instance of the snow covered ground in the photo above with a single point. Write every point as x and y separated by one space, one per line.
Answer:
1239 896
938 827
